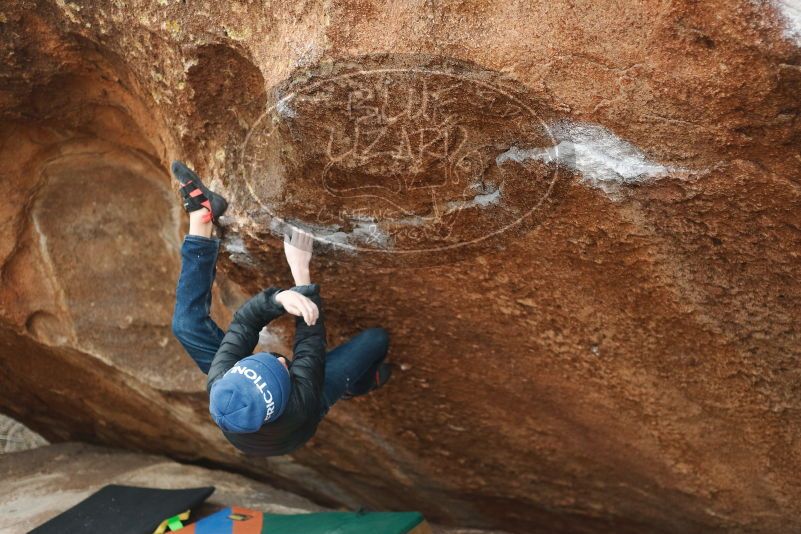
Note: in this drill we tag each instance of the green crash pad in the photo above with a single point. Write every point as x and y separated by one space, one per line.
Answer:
237 520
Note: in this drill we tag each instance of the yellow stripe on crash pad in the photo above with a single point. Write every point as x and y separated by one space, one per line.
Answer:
250 525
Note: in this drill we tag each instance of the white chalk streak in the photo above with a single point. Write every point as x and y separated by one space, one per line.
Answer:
604 160
284 109
791 11
236 245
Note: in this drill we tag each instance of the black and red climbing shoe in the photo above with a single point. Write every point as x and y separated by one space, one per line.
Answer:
381 377
196 195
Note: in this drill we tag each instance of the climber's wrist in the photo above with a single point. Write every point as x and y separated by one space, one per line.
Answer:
301 275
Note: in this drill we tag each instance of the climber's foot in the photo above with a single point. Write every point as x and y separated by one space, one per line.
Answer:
197 196
382 376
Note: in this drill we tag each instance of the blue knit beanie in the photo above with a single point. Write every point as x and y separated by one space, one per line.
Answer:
253 392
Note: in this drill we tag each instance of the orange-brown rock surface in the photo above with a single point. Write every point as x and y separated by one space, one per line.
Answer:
580 221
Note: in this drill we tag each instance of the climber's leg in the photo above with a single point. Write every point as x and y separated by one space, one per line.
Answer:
351 369
191 322
200 224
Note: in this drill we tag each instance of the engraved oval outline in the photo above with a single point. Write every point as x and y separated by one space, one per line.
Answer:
318 83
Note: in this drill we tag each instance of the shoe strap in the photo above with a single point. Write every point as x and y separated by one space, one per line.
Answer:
195 199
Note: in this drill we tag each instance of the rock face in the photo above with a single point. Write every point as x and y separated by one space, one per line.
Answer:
15 437
581 224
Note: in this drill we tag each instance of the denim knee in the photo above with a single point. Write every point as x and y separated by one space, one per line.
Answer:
179 329
377 336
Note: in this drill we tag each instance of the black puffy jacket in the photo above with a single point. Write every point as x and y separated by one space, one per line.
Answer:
298 423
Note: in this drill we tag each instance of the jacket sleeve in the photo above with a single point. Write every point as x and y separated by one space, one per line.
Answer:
308 360
243 332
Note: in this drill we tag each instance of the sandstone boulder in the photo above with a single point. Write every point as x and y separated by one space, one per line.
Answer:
581 223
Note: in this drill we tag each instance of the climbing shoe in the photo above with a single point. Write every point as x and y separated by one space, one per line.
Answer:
381 377
197 196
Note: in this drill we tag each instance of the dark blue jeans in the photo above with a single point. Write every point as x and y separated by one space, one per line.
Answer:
349 368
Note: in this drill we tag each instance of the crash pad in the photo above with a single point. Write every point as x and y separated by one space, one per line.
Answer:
124 510
237 520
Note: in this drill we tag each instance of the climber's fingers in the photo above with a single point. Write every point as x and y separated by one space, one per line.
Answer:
307 241
315 313
300 306
310 311
300 239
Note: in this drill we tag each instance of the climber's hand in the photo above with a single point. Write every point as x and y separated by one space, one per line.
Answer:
298 249
298 305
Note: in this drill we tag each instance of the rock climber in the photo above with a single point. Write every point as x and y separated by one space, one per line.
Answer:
265 404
